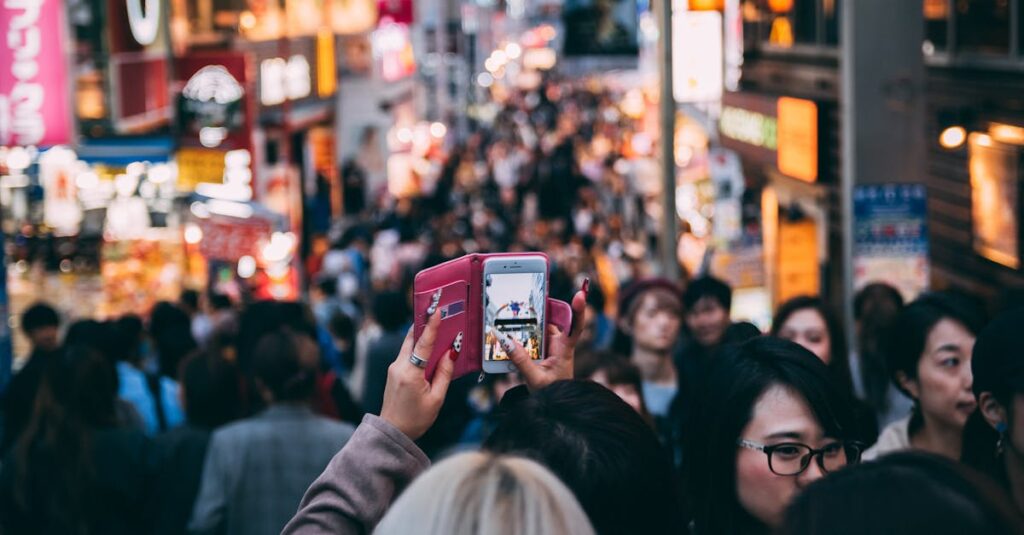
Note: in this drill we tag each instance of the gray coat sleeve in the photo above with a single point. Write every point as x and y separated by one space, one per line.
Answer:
360 483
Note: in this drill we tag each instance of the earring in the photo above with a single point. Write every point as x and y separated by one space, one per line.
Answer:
1001 428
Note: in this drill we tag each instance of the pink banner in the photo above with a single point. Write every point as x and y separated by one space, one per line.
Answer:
34 101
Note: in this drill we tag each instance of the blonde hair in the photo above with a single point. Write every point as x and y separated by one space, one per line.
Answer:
480 493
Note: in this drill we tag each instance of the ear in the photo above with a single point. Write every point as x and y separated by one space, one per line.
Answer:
910 385
993 411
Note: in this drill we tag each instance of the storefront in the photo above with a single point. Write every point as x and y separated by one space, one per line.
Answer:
787 149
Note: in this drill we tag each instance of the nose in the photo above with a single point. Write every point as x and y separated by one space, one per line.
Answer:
812 474
967 378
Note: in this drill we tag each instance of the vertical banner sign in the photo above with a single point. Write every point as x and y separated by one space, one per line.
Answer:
34 103
890 241
697 56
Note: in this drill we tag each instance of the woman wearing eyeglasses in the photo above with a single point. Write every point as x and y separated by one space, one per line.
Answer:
771 422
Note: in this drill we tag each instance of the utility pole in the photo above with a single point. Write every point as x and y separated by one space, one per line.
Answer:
669 220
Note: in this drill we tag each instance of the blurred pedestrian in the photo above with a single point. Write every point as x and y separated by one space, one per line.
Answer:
876 307
75 470
256 470
41 324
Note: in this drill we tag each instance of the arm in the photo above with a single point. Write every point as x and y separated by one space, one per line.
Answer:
380 459
361 481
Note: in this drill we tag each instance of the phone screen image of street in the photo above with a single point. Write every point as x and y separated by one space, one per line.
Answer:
515 306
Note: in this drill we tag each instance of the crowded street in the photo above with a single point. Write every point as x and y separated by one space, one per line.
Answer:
539 267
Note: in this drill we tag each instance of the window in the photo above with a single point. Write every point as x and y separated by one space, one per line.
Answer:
983 26
787 23
936 25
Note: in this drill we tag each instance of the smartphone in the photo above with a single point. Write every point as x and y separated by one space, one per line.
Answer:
515 298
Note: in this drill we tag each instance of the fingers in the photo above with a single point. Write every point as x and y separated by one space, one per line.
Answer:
443 375
520 357
579 316
425 345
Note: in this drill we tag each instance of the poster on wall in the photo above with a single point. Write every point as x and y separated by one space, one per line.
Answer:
600 28
890 242
995 199
35 108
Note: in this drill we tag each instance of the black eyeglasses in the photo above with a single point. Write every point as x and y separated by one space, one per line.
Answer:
792 458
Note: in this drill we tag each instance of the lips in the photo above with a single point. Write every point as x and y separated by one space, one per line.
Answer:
967 406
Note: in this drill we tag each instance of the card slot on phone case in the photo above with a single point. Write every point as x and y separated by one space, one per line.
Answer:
452 308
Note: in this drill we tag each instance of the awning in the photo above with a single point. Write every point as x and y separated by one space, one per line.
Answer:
122 151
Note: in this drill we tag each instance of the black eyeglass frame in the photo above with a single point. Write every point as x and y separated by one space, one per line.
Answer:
805 460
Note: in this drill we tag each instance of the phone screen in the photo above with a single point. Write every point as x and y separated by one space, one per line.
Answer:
515 305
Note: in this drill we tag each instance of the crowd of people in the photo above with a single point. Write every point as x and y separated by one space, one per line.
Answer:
653 413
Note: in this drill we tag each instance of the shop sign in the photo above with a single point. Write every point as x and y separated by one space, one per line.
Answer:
282 80
352 17
228 239
61 209
749 126
890 242
798 138
35 107
144 22
326 65
995 199
400 11
213 107
798 271
392 47
197 166
697 56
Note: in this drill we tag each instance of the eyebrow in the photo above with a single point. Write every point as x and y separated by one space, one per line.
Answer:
786 434
948 347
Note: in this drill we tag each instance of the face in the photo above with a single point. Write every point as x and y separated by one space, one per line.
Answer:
1016 425
807 328
708 320
780 415
626 392
943 383
655 328
45 338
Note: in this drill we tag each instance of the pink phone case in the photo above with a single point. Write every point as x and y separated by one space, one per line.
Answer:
461 309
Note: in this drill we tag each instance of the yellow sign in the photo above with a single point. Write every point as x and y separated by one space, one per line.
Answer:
798 138
199 165
326 64
797 272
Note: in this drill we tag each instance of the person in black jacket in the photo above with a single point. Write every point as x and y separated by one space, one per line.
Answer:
73 470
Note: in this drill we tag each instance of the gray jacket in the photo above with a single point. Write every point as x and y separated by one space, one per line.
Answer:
361 482
256 470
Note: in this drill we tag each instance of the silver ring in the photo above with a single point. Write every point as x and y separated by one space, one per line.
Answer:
417 361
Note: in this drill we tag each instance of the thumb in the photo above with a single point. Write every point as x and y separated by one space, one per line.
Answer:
518 355
443 374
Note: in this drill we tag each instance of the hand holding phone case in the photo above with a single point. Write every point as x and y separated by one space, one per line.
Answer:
461 310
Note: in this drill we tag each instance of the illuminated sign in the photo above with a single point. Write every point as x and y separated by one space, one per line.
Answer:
995 194
393 47
144 25
34 105
282 80
213 83
749 127
326 65
798 138
697 56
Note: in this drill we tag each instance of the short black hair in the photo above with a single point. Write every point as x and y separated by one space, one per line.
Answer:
190 298
707 286
37 316
909 492
278 366
908 334
391 310
220 301
736 380
342 326
601 449
328 286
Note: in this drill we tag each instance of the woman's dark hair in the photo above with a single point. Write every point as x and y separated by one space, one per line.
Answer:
54 455
875 308
211 387
601 449
171 330
278 366
903 493
909 333
839 365
737 378
707 287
